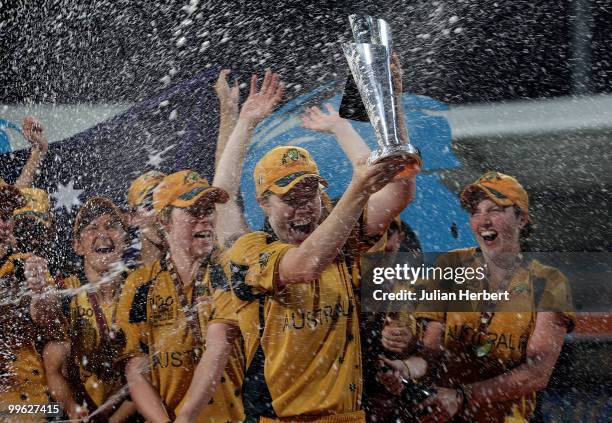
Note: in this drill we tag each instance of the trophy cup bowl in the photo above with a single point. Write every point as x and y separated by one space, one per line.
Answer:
369 30
369 59
371 70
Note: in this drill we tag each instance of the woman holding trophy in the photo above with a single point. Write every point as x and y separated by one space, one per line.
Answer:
296 281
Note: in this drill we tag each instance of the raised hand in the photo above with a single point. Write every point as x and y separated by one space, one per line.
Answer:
315 119
368 179
260 104
228 96
33 133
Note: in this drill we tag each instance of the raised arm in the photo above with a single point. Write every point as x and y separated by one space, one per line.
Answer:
307 262
219 338
393 198
543 350
257 107
350 141
228 111
33 133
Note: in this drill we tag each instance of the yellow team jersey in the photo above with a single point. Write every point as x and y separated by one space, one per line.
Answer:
156 326
301 340
22 376
93 375
476 356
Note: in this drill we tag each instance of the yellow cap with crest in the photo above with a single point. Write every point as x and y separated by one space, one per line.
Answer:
502 189
184 189
281 168
37 206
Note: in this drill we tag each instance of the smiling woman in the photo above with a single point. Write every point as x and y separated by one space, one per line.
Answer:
294 215
92 340
494 361
179 313
307 264
100 234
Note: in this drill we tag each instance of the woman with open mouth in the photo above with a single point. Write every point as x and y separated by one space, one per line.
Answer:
295 284
498 356
91 387
180 309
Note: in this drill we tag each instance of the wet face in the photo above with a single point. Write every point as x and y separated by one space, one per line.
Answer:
295 215
145 219
496 228
102 243
191 230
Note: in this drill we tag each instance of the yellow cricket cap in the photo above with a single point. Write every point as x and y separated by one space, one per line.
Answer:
281 168
503 190
142 187
37 206
184 189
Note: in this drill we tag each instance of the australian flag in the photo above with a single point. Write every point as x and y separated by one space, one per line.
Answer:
174 130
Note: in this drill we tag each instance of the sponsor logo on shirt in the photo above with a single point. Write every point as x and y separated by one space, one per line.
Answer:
163 309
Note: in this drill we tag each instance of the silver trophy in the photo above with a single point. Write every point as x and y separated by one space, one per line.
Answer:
369 59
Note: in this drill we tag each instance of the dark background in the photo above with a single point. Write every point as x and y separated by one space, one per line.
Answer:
455 51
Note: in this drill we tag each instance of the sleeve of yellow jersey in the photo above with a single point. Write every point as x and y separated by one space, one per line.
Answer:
132 313
253 265
223 304
557 295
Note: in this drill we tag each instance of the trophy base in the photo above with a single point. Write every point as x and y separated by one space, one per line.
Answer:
382 153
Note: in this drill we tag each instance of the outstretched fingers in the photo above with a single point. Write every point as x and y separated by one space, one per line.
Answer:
253 89
306 121
280 91
330 108
267 82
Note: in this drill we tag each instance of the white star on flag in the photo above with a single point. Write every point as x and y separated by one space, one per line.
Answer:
66 196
